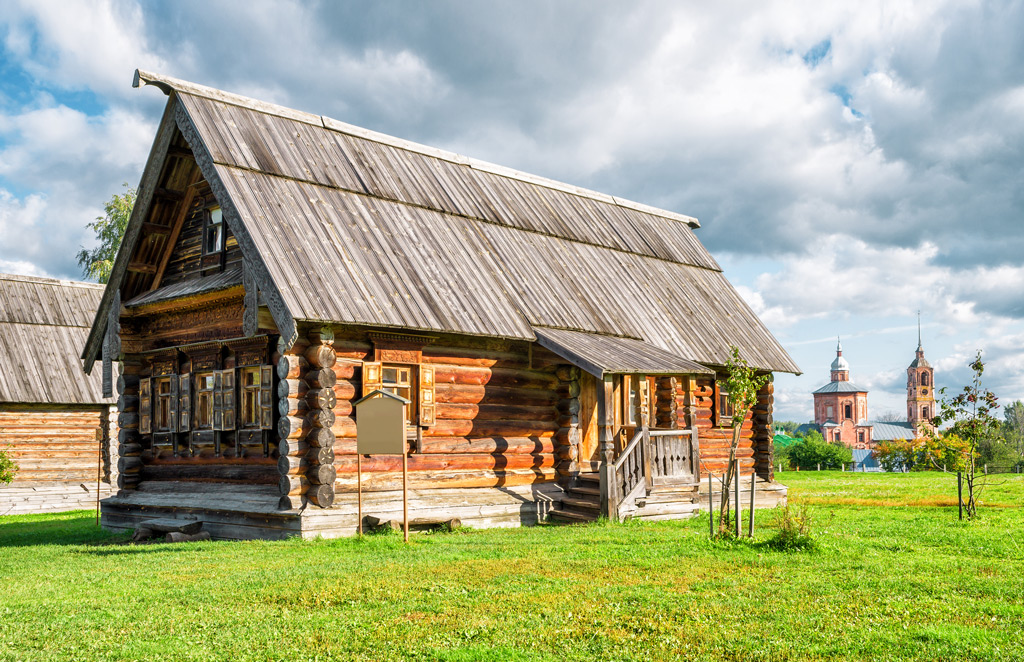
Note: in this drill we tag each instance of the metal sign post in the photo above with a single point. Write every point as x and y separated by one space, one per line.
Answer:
380 430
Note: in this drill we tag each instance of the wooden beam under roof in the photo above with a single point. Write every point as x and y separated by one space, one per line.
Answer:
142 268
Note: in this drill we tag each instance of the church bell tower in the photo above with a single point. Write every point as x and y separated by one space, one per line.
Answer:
920 387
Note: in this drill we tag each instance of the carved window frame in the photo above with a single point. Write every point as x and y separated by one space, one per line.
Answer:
204 388
213 225
164 405
249 387
723 408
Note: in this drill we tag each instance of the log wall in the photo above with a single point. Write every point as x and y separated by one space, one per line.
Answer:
755 447
55 444
500 422
59 450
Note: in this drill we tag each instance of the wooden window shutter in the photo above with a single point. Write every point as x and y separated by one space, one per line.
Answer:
428 413
227 384
373 378
184 403
173 403
218 401
145 406
266 397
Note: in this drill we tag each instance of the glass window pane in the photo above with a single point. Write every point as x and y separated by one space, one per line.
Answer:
389 375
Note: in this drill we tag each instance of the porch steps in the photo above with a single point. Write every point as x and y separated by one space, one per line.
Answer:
583 503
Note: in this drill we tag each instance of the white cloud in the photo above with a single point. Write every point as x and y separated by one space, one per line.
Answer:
93 44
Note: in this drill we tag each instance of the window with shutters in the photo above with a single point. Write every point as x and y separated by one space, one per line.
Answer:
205 389
250 388
165 406
256 403
723 406
401 379
398 380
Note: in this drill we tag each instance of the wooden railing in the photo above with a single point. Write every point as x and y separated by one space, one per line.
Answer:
691 450
630 475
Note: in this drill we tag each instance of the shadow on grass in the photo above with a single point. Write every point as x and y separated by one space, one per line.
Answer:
74 528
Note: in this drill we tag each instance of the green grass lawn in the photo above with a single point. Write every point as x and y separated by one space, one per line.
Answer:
895 576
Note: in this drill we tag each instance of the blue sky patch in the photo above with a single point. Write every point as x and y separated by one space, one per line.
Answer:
818 52
844 95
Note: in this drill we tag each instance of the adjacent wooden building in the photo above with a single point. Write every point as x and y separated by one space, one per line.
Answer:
561 348
54 421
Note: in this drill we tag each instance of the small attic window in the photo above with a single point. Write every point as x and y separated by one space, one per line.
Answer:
213 241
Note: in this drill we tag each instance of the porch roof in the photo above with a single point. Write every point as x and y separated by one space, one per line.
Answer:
609 355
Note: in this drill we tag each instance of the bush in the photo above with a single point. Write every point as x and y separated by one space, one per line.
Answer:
897 455
813 450
794 528
8 469
945 452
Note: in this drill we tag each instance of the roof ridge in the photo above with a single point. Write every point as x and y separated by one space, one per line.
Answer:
169 84
45 280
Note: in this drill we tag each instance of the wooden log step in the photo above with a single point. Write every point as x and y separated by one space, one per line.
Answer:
590 479
585 491
415 524
581 504
168 525
560 516
175 536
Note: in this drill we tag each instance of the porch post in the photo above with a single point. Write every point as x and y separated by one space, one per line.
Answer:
689 383
606 437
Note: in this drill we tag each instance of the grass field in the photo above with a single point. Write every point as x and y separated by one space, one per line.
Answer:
894 576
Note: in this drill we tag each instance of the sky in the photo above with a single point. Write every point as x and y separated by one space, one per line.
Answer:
851 164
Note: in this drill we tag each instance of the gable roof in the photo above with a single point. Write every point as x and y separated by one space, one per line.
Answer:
41 319
343 225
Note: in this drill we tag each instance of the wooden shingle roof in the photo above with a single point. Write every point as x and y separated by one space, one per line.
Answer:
43 323
352 226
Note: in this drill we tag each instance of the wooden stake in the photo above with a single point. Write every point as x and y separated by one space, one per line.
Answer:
405 493
99 473
359 488
753 482
711 505
960 492
739 525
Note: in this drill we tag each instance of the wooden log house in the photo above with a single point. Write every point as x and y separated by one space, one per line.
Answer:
54 422
561 348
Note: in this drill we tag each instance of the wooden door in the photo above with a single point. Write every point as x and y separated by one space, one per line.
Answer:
590 448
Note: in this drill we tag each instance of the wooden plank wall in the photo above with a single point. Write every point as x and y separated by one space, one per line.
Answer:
52 443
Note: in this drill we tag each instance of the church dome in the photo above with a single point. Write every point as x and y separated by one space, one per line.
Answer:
840 363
